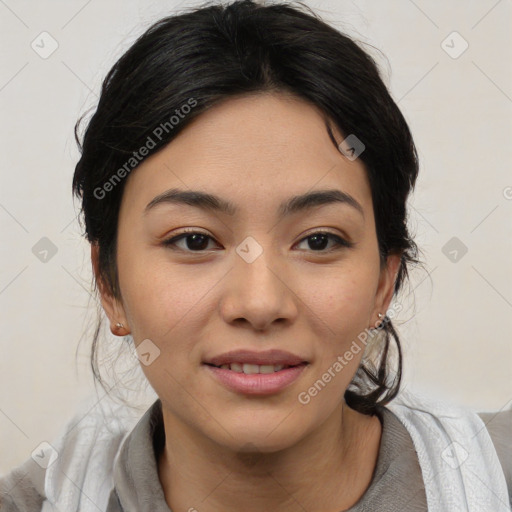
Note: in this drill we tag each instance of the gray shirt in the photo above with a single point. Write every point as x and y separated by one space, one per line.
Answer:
396 484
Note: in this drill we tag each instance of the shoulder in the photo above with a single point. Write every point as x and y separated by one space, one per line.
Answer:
23 488
463 439
499 426
79 459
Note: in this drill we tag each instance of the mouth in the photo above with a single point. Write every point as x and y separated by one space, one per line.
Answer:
251 372
255 379
245 360
252 369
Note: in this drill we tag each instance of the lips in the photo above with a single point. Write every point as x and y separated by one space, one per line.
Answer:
266 358
256 380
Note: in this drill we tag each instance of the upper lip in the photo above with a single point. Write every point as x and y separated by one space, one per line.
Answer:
267 357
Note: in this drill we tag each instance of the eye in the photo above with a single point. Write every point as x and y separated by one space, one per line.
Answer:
196 241
318 240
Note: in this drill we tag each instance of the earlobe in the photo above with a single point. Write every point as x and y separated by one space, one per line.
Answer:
387 282
113 310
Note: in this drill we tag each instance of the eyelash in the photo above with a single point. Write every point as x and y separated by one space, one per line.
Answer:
340 242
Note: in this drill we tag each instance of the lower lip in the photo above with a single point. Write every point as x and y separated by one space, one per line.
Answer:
257 383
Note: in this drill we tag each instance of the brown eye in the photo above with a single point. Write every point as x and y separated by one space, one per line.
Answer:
318 241
195 241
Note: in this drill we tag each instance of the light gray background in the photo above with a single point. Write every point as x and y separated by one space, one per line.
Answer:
455 335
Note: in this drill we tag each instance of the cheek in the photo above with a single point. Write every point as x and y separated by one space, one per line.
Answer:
341 309
161 298
345 299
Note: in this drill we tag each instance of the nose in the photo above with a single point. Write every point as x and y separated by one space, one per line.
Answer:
259 293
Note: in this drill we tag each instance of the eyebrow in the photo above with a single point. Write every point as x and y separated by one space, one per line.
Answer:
293 205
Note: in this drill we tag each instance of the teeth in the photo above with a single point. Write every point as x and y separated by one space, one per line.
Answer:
236 367
268 368
250 369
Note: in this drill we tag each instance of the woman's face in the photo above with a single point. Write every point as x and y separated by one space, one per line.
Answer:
255 278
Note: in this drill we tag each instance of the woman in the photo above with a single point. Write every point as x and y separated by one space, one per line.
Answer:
270 138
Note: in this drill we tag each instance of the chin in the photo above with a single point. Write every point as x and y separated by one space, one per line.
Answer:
269 437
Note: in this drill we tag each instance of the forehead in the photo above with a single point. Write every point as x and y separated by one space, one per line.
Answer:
252 148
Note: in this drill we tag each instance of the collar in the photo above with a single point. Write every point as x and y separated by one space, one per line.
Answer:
136 482
137 485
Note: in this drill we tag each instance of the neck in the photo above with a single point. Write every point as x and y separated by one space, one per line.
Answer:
328 470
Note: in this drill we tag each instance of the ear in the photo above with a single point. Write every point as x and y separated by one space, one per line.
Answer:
386 286
112 306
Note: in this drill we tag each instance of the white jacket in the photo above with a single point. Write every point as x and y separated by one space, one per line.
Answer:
459 464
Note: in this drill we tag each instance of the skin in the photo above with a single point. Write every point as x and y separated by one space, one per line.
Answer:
250 452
